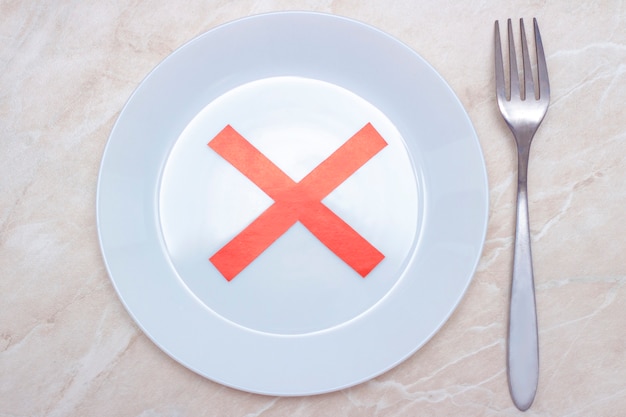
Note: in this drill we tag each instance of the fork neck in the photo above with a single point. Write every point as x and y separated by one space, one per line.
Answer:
523 138
523 155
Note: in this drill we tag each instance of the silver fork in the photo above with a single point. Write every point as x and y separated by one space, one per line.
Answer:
523 109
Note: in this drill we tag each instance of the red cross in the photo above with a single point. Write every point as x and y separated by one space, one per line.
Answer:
297 201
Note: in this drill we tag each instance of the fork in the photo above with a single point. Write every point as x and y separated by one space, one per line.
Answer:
523 109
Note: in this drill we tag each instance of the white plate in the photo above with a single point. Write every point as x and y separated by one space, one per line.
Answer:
298 318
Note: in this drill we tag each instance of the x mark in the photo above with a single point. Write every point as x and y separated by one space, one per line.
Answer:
297 201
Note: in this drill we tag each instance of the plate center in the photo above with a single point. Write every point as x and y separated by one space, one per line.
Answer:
289 205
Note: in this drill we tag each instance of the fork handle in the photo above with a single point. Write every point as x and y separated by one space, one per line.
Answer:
523 347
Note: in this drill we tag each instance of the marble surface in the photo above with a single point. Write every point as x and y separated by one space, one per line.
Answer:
67 345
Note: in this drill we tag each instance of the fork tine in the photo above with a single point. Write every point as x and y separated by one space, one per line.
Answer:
542 69
514 81
529 88
501 95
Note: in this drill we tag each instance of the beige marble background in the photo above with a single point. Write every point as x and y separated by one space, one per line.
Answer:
68 347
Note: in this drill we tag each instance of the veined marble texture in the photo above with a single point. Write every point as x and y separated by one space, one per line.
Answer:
69 348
